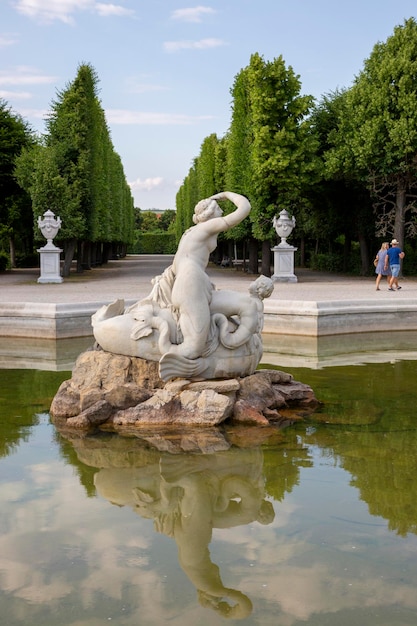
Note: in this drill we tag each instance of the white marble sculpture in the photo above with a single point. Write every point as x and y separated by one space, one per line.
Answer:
192 329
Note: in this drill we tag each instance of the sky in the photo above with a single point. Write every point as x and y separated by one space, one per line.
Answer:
166 67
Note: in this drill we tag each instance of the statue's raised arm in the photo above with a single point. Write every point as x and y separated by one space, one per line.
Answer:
242 207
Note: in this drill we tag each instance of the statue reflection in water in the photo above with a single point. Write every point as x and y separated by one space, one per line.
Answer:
189 495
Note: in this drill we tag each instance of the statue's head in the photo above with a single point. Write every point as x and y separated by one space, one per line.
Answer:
205 210
262 287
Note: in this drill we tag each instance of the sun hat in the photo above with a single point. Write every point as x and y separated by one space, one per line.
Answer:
394 242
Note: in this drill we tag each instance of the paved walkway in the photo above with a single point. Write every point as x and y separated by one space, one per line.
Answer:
130 278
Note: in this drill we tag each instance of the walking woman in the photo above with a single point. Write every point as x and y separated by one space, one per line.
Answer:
380 269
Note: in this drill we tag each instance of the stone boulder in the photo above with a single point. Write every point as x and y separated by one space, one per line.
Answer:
119 392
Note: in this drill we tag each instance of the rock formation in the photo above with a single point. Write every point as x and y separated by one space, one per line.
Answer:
117 392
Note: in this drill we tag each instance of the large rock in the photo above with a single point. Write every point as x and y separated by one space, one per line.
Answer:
119 392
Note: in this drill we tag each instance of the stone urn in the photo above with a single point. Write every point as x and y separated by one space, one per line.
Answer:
284 225
284 252
49 226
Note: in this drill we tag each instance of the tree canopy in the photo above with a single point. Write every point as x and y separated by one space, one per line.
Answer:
376 138
268 153
15 208
76 172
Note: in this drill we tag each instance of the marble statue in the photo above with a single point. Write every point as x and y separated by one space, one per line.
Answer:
192 329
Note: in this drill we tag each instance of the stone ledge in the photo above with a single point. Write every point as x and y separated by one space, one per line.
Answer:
48 320
290 318
320 319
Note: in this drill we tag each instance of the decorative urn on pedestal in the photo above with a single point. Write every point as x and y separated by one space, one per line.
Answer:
49 226
284 225
284 252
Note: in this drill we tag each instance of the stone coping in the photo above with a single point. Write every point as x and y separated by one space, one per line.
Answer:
48 320
289 318
319 319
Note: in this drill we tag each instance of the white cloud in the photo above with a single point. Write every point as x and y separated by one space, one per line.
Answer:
193 14
202 44
135 86
33 114
112 9
7 40
148 184
50 10
124 116
16 95
47 11
25 75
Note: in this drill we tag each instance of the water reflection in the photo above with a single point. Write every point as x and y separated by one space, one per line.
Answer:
22 395
367 424
281 350
315 525
186 496
382 462
337 350
33 353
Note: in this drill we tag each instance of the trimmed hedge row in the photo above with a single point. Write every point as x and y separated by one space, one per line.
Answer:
154 243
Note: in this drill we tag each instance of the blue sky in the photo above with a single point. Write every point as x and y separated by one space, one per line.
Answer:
166 67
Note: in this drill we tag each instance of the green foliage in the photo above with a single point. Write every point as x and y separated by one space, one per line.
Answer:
167 220
334 262
149 222
15 208
15 134
239 143
137 218
4 261
283 153
186 199
206 170
240 137
384 98
376 137
330 262
335 166
27 260
267 154
75 172
409 266
154 243
220 163
49 188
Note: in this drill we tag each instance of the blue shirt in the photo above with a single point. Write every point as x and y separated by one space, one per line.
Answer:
394 255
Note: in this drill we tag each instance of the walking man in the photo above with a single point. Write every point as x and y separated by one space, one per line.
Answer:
393 259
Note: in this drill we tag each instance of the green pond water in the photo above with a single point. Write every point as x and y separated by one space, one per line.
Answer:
314 526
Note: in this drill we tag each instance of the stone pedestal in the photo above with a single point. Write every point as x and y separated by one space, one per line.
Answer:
284 264
50 264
